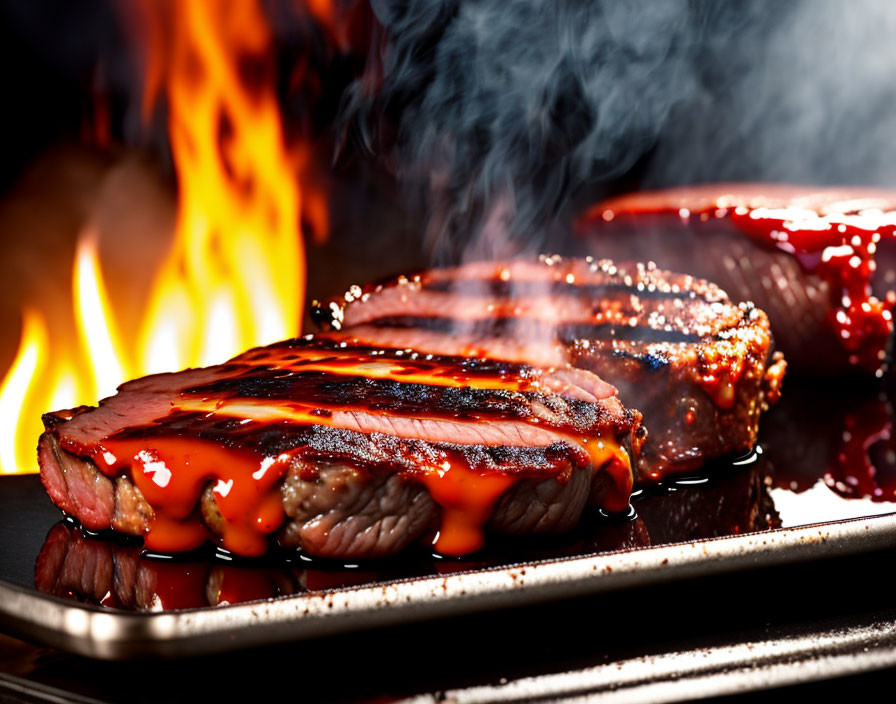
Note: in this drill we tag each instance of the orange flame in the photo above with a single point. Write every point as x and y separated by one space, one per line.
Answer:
37 383
20 380
234 277
236 271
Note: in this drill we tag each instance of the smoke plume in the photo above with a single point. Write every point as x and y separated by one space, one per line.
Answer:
497 114
502 108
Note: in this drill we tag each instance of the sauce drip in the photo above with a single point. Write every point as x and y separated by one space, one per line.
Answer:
720 384
171 473
467 499
832 234
839 248
607 456
864 458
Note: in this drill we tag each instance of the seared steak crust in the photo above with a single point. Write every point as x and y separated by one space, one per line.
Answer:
699 367
340 451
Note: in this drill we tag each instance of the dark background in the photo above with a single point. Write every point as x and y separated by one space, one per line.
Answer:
799 91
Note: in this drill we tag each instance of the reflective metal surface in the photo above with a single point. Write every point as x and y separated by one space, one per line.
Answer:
112 634
687 675
107 599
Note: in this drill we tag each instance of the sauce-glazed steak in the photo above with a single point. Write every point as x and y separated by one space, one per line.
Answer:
821 262
699 367
343 452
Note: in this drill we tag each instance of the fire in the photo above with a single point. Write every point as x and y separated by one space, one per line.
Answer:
95 327
235 275
37 382
20 380
236 272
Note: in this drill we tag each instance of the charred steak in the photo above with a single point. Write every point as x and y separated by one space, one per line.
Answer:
699 367
342 452
820 261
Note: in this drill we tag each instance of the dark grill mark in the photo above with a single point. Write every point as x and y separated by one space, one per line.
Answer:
371 451
328 392
533 330
422 362
515 288
653 362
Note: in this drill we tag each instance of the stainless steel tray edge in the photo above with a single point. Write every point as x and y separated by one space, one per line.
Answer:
689 675
108 634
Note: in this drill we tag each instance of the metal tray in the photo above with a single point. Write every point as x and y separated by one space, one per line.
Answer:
744 535
112 634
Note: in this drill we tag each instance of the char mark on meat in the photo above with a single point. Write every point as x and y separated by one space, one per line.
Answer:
699 367
344 452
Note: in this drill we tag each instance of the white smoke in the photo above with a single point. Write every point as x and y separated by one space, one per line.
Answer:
501 111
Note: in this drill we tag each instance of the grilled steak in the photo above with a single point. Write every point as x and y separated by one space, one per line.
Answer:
698 367
343 452
820 262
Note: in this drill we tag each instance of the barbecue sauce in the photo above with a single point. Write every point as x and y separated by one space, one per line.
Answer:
839 249
863 456
467 500
832 235
171 473
215 441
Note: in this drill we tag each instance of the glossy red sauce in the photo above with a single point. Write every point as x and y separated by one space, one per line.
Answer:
174 586
610 458
235 585
839 249
171 473
863 453
467 499
172 461
720 383
833 234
